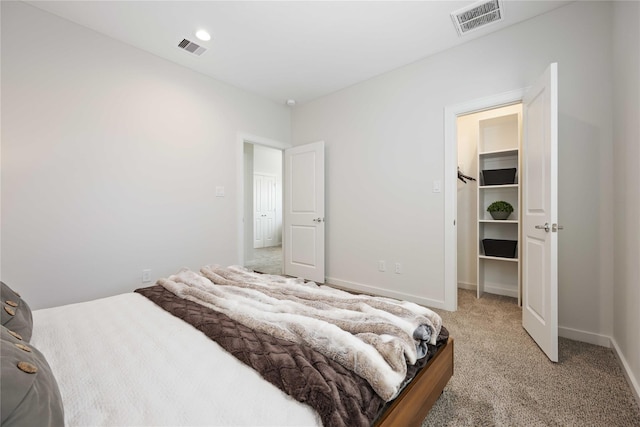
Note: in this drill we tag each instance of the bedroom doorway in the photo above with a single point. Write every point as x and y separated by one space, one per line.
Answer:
301 230
262 208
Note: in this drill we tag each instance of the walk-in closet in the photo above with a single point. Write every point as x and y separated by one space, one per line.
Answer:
489 201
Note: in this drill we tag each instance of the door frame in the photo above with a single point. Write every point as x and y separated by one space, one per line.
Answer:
241 139
451 114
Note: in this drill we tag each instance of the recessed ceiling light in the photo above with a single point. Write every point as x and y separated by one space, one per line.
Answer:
291 102
203 35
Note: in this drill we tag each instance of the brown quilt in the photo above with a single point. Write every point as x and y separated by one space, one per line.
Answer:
340 397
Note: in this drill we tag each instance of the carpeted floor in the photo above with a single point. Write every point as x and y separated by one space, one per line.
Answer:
266 260
501 377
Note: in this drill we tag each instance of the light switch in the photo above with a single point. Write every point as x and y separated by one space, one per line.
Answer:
219 191
437 186
146 276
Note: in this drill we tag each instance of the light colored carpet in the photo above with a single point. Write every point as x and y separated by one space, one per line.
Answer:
501 377
266 260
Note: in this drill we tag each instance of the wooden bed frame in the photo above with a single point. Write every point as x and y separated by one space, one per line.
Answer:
413 404
411 407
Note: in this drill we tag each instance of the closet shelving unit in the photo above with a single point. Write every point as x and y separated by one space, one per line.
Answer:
499 148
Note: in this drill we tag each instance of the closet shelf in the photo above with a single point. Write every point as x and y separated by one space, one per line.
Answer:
487 187
497 258
499 153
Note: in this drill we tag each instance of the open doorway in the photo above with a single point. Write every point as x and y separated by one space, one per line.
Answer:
452 113
488 207
300 230
262 208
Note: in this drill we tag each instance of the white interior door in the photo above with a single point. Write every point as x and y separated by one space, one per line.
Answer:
540 213
304 211
264 216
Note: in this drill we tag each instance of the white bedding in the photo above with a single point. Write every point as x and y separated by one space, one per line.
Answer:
123 361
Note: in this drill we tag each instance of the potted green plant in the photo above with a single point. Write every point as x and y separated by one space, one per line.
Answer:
500 209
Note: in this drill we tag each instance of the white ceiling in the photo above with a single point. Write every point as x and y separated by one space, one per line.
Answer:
288 49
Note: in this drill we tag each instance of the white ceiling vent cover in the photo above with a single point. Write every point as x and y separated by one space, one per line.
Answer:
192 47
477 15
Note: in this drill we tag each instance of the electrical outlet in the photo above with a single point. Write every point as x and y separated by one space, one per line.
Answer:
146 276
398 268
382 266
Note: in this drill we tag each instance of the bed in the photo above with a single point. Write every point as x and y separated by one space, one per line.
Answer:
141 359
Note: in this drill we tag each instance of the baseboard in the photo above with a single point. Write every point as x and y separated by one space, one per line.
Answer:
491 289
373 290
631 379
584 336
499 290
468 286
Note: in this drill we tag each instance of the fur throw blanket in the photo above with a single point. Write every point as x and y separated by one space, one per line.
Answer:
374 337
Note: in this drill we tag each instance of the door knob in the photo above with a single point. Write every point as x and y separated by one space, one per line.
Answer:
318 220
544 227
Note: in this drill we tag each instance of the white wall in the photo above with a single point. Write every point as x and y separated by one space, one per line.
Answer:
110 159
626 111
384 140
467 215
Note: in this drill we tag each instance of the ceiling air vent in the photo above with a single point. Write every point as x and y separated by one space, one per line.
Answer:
477 15
192 47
